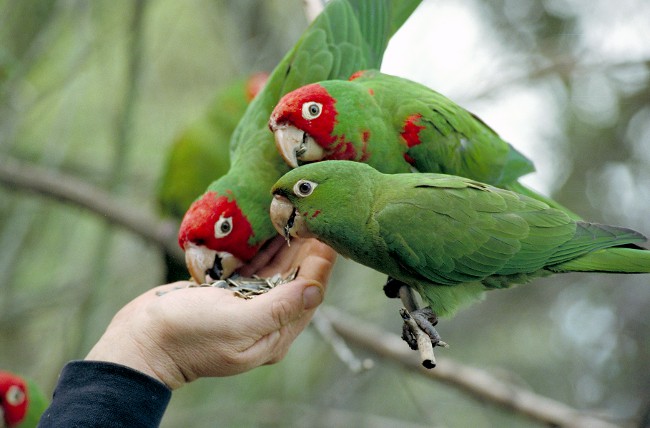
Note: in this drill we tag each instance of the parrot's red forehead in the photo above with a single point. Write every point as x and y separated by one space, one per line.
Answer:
198 226
290 105
13 397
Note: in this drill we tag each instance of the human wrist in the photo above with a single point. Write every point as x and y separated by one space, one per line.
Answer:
120 347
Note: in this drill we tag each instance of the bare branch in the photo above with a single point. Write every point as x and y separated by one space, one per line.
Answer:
477 383
22 176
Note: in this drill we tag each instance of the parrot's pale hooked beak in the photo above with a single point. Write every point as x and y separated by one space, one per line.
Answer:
286 219
296 146
206 265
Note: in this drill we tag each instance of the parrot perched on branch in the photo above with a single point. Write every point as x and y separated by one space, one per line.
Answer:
226 226
21 402
447 237
395 125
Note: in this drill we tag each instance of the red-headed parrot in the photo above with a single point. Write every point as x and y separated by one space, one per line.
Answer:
200 154
447 237
227 225
395 125
21 402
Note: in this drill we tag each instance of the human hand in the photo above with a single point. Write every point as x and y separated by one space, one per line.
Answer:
197 332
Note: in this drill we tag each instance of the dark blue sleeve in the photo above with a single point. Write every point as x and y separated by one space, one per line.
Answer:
101 394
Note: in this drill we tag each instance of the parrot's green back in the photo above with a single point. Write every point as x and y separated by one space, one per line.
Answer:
347 36
453 140
450 237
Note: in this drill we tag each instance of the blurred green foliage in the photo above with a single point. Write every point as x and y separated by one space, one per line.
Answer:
100 89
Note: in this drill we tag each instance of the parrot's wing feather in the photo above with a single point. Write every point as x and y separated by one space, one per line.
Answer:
477 148
472 234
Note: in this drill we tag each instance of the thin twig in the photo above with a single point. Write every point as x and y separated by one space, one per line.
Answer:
476 383
324 328
22 176
425 347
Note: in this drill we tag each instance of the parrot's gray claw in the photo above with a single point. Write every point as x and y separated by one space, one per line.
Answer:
425 319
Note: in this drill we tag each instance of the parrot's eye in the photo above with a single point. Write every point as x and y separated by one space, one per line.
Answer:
15 396
304 188
311 110
223 227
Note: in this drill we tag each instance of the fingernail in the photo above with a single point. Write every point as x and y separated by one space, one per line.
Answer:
312 296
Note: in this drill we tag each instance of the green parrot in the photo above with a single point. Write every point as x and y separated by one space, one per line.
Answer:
226 226
447 237
21 402
395 125
199 154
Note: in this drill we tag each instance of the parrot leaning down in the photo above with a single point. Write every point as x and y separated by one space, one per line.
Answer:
395 125
21 402
447 237
227 225
199 155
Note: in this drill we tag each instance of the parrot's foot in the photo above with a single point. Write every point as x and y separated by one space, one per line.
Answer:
419 332
425 320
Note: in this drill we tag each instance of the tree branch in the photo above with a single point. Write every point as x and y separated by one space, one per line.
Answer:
476 383
22 176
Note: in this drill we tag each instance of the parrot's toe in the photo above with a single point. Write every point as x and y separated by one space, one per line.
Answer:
425 320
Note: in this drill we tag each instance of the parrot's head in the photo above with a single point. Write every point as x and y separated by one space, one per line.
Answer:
303 124
311 200
215 235
13 399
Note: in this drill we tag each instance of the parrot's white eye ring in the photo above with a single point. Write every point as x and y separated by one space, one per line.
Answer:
304 188
223 227
15 395
311 110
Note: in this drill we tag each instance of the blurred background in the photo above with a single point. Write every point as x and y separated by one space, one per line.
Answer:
99 91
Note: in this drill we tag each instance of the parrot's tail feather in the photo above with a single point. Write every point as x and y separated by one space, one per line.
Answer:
516 186
609 260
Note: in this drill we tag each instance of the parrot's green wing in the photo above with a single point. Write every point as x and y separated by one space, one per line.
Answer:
484 235
480 230
476 229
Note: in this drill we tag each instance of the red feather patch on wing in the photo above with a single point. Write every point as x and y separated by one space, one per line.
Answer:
356 75
411 130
